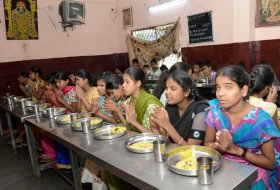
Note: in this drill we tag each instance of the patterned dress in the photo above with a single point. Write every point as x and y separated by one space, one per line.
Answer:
254 129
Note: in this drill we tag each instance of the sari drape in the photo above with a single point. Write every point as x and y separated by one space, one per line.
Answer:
144 107
254 129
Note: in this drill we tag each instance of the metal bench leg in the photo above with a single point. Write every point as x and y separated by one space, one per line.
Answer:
11 132
75 170
1 128
32 152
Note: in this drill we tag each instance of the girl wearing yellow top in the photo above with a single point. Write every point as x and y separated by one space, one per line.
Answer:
35 82
261 86
85 89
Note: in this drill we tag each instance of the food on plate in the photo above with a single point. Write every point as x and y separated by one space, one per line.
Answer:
64 119
95 121
186 154
118 130
142 145
189 163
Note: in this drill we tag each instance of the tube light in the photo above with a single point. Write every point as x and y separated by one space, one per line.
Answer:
164 5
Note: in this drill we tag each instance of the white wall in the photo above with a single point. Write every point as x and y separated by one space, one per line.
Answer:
233 20
99 36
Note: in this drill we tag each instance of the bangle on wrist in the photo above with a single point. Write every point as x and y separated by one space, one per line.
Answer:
210 145
181 141
244 153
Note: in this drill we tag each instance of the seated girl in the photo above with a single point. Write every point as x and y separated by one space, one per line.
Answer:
261 86
183 116
242 132
115 90
85 89
66 95
140 103
97 107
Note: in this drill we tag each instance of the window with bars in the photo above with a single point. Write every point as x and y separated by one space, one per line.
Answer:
153 33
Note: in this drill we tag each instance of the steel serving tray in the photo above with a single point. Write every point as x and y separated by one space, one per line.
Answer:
174 156
108 132
143 137
94 123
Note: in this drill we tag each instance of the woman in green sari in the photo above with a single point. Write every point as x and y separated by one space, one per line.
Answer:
140 104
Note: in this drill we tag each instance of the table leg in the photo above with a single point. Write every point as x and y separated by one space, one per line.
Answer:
32 152
75 170
1 128
11 132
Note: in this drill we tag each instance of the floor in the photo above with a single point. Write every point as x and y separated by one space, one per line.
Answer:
16 172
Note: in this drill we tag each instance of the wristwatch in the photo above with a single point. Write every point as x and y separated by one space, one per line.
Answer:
243 155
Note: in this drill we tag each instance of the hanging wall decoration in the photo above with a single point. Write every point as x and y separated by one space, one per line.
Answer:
127 17
268 13
21 19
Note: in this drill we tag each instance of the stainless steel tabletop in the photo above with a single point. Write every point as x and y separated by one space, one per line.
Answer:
140 169
16 111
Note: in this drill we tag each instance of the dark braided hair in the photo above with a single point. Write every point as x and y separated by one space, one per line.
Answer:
260 77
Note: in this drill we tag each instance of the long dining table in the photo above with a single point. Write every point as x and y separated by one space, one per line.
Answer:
16 112
138 169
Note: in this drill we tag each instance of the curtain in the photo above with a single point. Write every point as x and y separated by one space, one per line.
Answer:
158 49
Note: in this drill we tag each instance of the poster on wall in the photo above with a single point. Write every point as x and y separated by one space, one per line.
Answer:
268 13
21 19
200 28
127 17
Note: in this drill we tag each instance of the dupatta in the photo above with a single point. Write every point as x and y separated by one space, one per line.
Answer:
144 106
254 129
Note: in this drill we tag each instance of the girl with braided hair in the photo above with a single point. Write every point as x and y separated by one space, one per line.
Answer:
261 87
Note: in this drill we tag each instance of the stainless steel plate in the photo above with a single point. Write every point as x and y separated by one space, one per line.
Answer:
17 98
24 99
63 119
42 106
57 111
94 123
66 119
143 137
108 132
174 156
30 103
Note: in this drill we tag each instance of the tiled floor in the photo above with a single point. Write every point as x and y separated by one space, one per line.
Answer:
16 172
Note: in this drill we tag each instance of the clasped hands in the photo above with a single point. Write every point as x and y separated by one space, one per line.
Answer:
224 141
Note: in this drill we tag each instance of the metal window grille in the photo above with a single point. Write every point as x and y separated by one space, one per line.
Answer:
153 33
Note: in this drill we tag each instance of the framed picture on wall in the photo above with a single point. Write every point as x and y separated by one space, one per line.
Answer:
127 17
267 13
